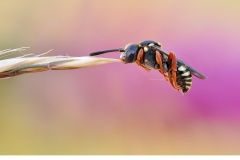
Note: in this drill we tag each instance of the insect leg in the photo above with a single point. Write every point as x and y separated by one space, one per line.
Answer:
159 60
139 60
172 73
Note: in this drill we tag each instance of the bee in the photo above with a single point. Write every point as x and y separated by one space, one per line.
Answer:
149 55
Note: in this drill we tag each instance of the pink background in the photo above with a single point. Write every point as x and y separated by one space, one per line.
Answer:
118 108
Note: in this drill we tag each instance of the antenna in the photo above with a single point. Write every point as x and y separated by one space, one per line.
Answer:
106 51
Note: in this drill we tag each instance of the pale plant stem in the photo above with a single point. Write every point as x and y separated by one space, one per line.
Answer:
25 64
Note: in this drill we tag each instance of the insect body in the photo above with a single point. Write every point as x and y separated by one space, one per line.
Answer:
149 55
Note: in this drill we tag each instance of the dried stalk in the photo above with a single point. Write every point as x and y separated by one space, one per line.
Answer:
21 65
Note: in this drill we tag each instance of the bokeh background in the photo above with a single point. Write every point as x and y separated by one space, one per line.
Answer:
118 108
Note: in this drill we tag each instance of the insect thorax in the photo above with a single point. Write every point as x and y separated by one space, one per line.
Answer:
149 60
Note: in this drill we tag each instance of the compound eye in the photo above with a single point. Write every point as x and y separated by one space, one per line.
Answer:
130 54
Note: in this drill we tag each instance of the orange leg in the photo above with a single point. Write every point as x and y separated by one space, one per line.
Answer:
140 60
159 60
172 61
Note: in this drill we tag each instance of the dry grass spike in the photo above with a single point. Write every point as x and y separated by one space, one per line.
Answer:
32 64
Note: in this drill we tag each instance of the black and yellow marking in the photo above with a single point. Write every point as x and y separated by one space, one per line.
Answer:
184 78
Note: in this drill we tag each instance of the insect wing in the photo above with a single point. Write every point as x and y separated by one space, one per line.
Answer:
180 62
192 70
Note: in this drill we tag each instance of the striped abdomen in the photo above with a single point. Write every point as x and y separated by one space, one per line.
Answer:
184 78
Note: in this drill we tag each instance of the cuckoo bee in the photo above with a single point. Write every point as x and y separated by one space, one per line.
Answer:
149 55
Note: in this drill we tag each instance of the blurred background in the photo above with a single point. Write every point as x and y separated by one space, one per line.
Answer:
118 108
